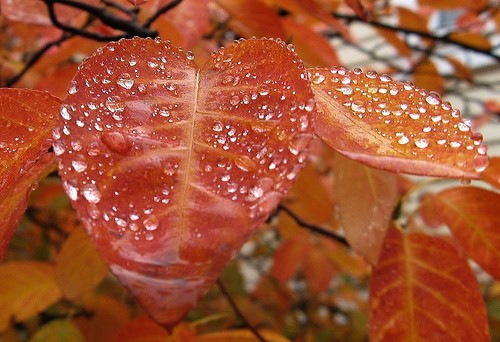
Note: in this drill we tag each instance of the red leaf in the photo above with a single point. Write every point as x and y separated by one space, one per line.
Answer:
142 329
289 257
15 202
472 215
423 290
28 118
137 2
394 126
365 219
253 18
174 167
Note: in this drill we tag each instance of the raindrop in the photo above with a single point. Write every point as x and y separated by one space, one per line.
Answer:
291 47
255 193
65 113
310 104
421 143
346 80
151 223
432 99
318 78
357 106
91 193
463 127
113 103
58 148
120 222
371 74
71 190
125 81
190 55
235 100
415 116
346 90
403 140
385 78
79 165
263 90
72 89
116 142
455 144
132 61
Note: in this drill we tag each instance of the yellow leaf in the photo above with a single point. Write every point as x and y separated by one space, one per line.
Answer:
58 331
78 266
26 288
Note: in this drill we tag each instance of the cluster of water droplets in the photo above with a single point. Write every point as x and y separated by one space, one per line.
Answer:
262 124
111 138
417 122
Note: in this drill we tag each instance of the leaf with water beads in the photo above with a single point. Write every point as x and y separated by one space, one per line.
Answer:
172 167
394 126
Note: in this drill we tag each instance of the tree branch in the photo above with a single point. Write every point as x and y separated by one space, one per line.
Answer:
238 312
161 11
444 39
312 227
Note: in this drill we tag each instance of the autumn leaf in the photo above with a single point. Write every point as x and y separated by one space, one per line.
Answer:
474 40
472 216
426 76
398 43
178 166
461 70
394 126
58 331
142 329
492 172
109 317
27 288
28 118
422 289
78 266
253 18
289 257
14 203
364 219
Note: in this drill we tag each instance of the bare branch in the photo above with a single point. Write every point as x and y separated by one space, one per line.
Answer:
161 11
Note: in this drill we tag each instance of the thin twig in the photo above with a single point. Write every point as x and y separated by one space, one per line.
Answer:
312 227
238 312
444 39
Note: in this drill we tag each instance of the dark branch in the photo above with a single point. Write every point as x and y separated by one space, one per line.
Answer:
238 312
444 39
312 227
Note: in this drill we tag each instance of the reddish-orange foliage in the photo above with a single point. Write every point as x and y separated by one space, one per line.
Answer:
472 215
423 290
212 150
394 126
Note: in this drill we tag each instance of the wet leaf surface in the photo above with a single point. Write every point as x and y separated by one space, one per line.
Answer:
171 167
394 126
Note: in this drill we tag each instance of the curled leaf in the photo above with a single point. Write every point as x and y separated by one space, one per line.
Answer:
394 126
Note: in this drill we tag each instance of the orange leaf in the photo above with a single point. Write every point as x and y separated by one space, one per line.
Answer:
475 40
311 46
14 203
176 166
142 329
453 4
28 118
366 218
78 266
318 269
426 76
108 319
27 288
253 18
492 172
461 70
288 258
472 215
411 20
422 289
393 38
394 126
241 335
137 2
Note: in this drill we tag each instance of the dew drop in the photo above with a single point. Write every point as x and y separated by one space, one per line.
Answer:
120 222
291 47
125 81
463 127
91 193
318 78
58 148
190 55
432 99
151 223
116 142
263 90
421 143
385 78
79 165
65 112
371 74
415 116
346 90
71 190
310 104
72 89
254 193
403 140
